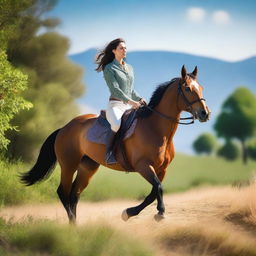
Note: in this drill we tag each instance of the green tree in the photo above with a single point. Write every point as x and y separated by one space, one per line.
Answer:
229 150
252 149
12 81
10 17
205 143
54 81
238 118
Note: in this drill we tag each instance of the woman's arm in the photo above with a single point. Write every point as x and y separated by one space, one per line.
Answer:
135 95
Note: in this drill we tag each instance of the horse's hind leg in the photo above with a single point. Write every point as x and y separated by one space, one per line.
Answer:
87 168
64 188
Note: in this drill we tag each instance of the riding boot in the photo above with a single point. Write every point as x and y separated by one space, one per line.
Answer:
110 158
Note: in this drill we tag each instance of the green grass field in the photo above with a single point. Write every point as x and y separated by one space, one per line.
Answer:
31 238
185 172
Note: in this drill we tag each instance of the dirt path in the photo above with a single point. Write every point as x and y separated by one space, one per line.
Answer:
195 205
205 207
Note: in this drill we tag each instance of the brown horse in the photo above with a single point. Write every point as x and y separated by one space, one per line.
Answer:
149 150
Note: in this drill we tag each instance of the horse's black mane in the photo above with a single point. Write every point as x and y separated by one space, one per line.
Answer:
156 97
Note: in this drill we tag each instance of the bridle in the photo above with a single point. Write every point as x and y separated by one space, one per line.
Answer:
187 102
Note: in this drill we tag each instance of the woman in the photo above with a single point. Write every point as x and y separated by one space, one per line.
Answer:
119 78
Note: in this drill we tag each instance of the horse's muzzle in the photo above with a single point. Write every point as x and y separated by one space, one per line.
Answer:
203 115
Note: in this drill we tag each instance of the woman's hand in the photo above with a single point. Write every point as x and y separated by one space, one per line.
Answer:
134 104
143 101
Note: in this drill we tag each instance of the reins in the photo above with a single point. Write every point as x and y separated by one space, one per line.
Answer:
172 119
188 103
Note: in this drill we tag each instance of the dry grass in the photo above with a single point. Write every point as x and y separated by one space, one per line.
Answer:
231 233
243 208
216 221
211 239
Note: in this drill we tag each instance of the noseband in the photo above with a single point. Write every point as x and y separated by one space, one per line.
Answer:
188 104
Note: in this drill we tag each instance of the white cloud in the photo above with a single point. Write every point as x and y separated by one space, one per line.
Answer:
196 14
221 17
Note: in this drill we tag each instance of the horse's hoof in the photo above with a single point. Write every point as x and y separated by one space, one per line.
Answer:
125 215
158 217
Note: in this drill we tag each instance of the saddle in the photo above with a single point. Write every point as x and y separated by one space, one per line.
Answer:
99 131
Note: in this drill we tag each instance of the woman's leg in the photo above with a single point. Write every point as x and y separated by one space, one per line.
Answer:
114 114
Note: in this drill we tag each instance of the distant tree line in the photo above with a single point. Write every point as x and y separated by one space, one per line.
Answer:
236 123
35 71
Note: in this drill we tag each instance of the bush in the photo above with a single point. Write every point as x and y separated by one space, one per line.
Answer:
12 192
205 143
229 150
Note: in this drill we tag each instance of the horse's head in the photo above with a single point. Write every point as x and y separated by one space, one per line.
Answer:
191 93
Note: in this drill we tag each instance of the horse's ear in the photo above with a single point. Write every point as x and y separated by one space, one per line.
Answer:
183 72
195 71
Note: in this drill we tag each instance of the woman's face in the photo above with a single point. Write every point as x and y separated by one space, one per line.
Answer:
120 51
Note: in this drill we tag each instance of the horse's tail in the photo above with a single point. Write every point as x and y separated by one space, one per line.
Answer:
45 163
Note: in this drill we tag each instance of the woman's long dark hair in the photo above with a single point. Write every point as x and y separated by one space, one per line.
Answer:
106 55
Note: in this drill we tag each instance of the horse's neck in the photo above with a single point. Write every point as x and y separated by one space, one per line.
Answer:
168 107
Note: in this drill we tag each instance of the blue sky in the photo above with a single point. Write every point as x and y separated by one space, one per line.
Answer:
214 28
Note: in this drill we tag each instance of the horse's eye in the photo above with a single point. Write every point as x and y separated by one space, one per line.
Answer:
187 89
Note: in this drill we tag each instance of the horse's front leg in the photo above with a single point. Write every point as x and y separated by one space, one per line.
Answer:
148 172
133 211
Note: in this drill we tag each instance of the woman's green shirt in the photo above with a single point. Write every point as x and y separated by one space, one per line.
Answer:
119 79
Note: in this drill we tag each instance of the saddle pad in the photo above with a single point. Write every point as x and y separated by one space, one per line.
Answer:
99 131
